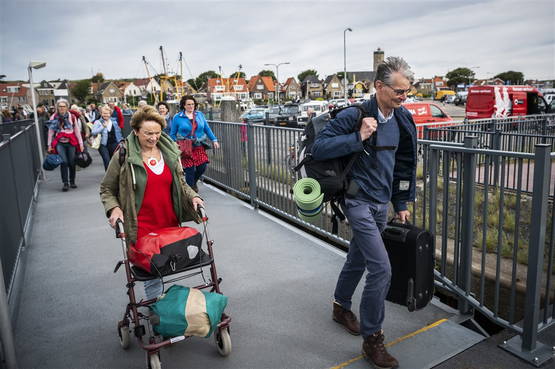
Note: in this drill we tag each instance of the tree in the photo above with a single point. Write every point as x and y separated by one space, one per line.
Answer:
81 89
306 73
514 78
99 77
203 78
237 75
267 73
459 75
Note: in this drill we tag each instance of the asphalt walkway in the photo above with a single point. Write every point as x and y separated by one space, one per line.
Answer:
279 282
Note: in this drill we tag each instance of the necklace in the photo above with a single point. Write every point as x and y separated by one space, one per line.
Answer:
152 161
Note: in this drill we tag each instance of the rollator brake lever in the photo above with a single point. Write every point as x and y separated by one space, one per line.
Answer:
118 265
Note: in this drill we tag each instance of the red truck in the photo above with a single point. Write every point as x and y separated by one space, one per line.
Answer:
499 101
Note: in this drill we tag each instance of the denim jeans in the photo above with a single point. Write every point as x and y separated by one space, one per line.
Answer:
366 251
106 152
193 174
67 152
153 288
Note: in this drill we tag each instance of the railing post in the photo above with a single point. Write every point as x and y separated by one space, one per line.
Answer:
433 170
268 138
527 347
6 332
251 164
467 225
496 145
542 175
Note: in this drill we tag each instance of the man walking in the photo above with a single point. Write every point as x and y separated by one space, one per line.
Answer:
384 171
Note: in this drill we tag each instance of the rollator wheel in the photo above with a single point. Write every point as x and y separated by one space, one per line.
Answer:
223 341
123 332
153 361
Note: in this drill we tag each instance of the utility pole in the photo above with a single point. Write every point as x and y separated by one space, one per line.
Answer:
345 61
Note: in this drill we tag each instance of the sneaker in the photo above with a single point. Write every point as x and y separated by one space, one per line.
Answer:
73 185
375 353
66 187
346 318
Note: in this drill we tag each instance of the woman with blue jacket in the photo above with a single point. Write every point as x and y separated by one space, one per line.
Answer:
191 124
110 134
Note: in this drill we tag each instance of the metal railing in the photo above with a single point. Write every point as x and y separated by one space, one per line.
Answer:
495 238
18 185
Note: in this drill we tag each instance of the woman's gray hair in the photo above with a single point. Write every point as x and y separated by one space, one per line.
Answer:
59 101
391 65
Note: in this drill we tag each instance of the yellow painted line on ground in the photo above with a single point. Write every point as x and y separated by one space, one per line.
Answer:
394 342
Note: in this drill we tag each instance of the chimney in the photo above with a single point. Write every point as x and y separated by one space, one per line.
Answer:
378 58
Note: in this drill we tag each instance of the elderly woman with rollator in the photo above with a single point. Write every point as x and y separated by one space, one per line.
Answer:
144 185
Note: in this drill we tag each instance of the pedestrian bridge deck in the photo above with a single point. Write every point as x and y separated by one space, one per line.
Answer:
279 282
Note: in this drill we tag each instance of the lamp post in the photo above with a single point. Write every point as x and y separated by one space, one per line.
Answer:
475 67
345 61
36 65
277 76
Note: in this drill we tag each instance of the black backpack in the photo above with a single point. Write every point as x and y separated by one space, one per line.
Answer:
331 174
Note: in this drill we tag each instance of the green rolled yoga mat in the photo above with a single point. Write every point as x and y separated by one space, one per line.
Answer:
308 197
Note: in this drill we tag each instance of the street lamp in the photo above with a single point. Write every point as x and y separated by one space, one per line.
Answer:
345 61
36 65
277 76
475 67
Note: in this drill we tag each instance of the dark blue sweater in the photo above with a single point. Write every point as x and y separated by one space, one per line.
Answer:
341 137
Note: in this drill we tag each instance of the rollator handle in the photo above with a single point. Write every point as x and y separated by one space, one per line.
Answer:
120 231
202 213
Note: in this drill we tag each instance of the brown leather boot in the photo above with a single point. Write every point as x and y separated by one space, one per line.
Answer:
346 318
374 351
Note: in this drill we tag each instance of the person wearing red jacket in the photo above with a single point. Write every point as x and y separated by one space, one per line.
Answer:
116 114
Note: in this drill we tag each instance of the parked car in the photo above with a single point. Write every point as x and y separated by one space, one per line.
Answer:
449 99
273 113
288 116
318 108
255 115
428 115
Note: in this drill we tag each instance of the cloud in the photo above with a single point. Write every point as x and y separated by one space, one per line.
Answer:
433 36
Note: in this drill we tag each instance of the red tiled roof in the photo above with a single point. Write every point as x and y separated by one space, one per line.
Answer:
269 83
228 83
4 90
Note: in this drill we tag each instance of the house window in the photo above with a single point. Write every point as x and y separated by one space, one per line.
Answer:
219 88
3 99
314 85
13 89
259 87
270 95
335 85
257 95
316 93
238 87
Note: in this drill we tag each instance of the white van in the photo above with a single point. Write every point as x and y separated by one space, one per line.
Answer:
319 107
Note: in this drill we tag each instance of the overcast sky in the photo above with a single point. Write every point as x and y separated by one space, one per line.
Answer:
77 38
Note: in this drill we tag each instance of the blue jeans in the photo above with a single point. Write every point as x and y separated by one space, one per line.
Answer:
106 152
193 174
366 251
153 288
67 152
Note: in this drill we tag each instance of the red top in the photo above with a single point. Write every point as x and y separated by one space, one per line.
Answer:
157 208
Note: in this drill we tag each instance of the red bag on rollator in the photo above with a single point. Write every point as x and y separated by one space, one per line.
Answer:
167 250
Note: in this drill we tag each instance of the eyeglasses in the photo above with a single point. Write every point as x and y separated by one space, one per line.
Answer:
62 106
399 92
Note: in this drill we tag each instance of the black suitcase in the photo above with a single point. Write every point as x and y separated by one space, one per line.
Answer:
411 254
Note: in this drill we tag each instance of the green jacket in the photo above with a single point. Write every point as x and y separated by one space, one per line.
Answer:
124 185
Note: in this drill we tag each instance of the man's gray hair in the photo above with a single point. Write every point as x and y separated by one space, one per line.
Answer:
391 65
